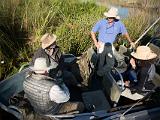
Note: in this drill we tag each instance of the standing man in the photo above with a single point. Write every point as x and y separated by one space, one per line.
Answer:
107 30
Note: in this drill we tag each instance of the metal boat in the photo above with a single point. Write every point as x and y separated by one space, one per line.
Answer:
107 101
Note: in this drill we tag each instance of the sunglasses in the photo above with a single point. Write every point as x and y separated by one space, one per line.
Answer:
51 46
111 18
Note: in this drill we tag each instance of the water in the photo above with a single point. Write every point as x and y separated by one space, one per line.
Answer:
123 11
126 11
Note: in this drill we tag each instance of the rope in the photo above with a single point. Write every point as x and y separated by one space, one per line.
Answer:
147 31
122 116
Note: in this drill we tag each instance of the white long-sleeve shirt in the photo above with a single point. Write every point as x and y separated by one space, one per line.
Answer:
59 94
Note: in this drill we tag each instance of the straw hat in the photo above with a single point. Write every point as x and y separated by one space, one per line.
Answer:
40 66
48 39
113 12
143 53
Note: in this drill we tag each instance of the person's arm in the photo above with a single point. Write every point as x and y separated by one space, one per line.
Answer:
94 30
59 94
124 32
133 63
93 36
129 39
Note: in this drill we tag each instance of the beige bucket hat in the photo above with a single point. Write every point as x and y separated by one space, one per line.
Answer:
48 39
144 53
40 66
113 12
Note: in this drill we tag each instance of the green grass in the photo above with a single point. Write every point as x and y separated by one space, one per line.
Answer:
23 22
74 33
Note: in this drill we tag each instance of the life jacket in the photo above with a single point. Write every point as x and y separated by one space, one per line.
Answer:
37 89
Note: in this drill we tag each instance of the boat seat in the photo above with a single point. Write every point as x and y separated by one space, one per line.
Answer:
133 96
95 101
112 90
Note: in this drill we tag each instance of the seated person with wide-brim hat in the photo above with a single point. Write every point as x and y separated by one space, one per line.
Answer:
48 95
138 70
51 51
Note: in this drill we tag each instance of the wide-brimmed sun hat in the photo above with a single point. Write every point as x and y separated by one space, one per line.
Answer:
40 66
144 53
48 39
113 12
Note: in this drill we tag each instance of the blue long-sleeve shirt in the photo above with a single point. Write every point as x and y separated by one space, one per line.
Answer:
107 33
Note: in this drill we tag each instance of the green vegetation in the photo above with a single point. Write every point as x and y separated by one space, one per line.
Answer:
136 3
23 22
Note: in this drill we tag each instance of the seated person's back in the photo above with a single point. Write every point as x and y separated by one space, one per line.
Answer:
45 94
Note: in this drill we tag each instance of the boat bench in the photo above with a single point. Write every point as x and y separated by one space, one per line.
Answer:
95 101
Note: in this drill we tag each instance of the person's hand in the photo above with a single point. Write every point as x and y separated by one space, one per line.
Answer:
133 63
97 45
132 44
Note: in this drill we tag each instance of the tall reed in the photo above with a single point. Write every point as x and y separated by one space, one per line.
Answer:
22 23
74 32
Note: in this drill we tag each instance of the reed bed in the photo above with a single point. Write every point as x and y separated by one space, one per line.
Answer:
23 22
